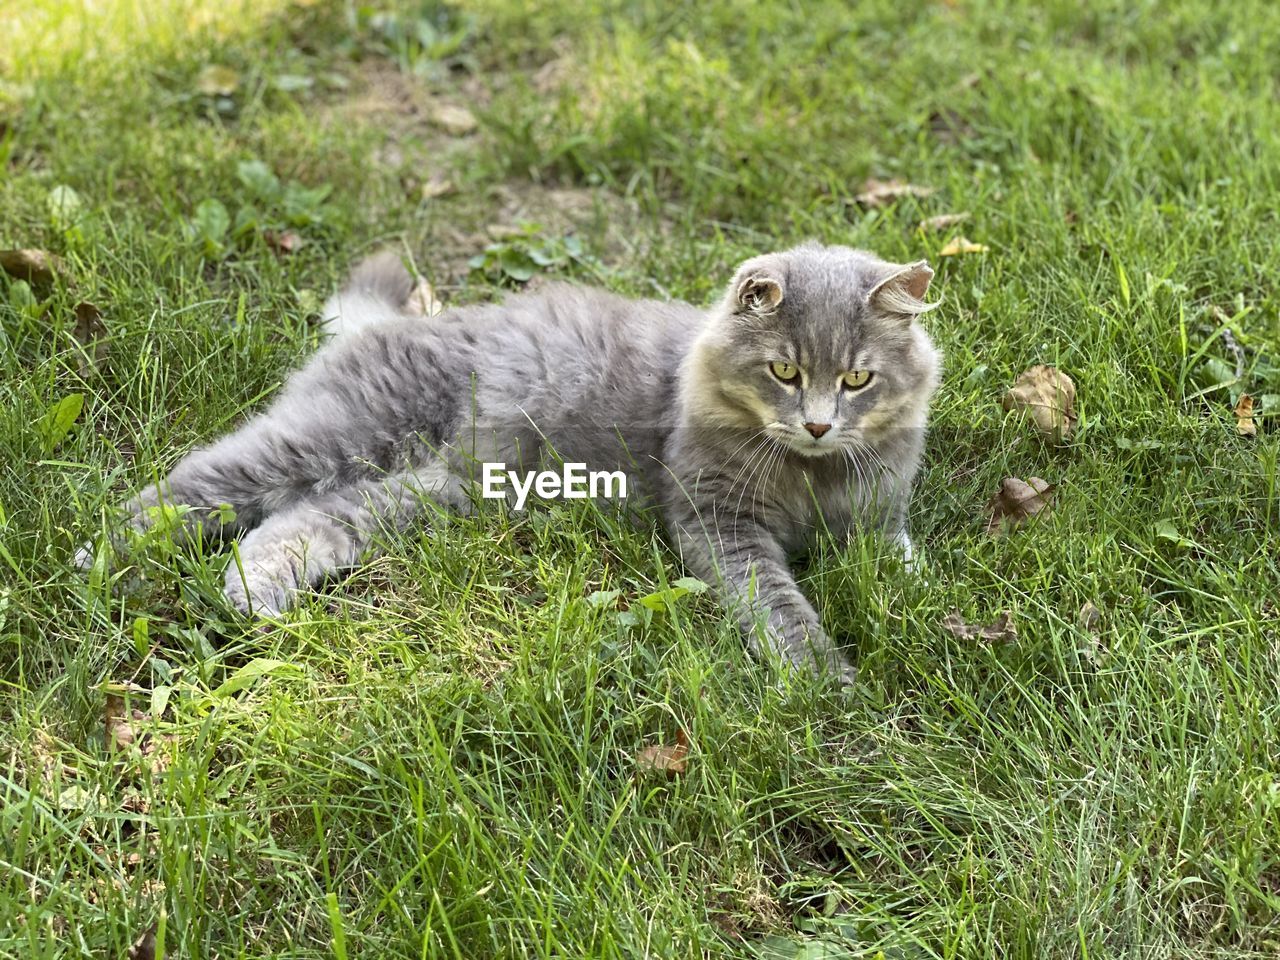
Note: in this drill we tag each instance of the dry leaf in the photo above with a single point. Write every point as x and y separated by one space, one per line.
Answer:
881 193
503 231
942 221
119 721
1016 502
144 948
89 326
437 186
34 266
950 127
1089 618
90 332
552 75
960 246
1049 396
670 761
216 80
454 120
422 300
125 731
1001 629
283 241
1245 425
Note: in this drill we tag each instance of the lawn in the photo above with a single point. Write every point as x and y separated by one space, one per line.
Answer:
437 755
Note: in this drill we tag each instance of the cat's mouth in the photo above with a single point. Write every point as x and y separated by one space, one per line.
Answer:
803 443
813 448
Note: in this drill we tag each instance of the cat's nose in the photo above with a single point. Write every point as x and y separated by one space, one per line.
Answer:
817 429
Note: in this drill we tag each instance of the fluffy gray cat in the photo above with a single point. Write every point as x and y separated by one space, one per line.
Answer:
797 403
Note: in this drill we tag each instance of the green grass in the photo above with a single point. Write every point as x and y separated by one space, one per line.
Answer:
435 757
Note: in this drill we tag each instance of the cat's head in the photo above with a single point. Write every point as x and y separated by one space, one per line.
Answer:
819 349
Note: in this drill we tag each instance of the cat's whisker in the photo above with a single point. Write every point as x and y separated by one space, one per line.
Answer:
779 459
758 457
757 435
861 446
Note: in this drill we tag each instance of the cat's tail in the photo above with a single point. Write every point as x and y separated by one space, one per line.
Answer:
378 291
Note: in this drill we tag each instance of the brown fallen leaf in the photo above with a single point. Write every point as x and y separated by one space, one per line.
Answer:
144 948
881 193
422 300
961 246
215 80
34 266
120 720
1089 618
504 231
454 120
950 127
1016 502
283 241
437 185
90 332
1049 396
670 761
125 733
1001 629
1245 424
942 221
553 74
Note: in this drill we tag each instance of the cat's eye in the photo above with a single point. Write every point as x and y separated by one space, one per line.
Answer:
786 372
856 379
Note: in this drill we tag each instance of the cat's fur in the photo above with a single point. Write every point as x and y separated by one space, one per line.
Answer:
396 411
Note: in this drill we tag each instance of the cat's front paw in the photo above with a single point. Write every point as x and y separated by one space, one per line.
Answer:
845 674
812 651
834 668
264 583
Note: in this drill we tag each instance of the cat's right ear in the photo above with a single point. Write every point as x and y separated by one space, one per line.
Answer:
902 292
759 293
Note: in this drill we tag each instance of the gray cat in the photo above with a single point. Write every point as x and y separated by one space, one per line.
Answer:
797 403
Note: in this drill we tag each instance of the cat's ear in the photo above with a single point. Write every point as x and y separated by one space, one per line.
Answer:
759 292
902 292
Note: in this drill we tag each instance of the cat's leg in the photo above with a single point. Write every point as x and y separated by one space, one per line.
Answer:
228 487
223 489
300 546
895 529
241 471
749 568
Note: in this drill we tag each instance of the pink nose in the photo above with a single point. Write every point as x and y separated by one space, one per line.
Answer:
817 429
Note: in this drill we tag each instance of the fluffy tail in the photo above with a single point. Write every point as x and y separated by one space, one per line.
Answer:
378 291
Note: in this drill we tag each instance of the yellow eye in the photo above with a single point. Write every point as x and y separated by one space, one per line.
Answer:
786 372
856 379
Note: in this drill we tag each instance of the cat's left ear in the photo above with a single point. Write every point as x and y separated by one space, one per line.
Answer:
903 292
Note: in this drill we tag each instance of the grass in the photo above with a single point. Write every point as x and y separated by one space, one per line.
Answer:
435 757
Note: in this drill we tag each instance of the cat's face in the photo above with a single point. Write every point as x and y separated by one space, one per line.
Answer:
818 349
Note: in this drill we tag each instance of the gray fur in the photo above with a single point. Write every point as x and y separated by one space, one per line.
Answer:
398 411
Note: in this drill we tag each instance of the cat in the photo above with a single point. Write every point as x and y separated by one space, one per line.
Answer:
797 403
